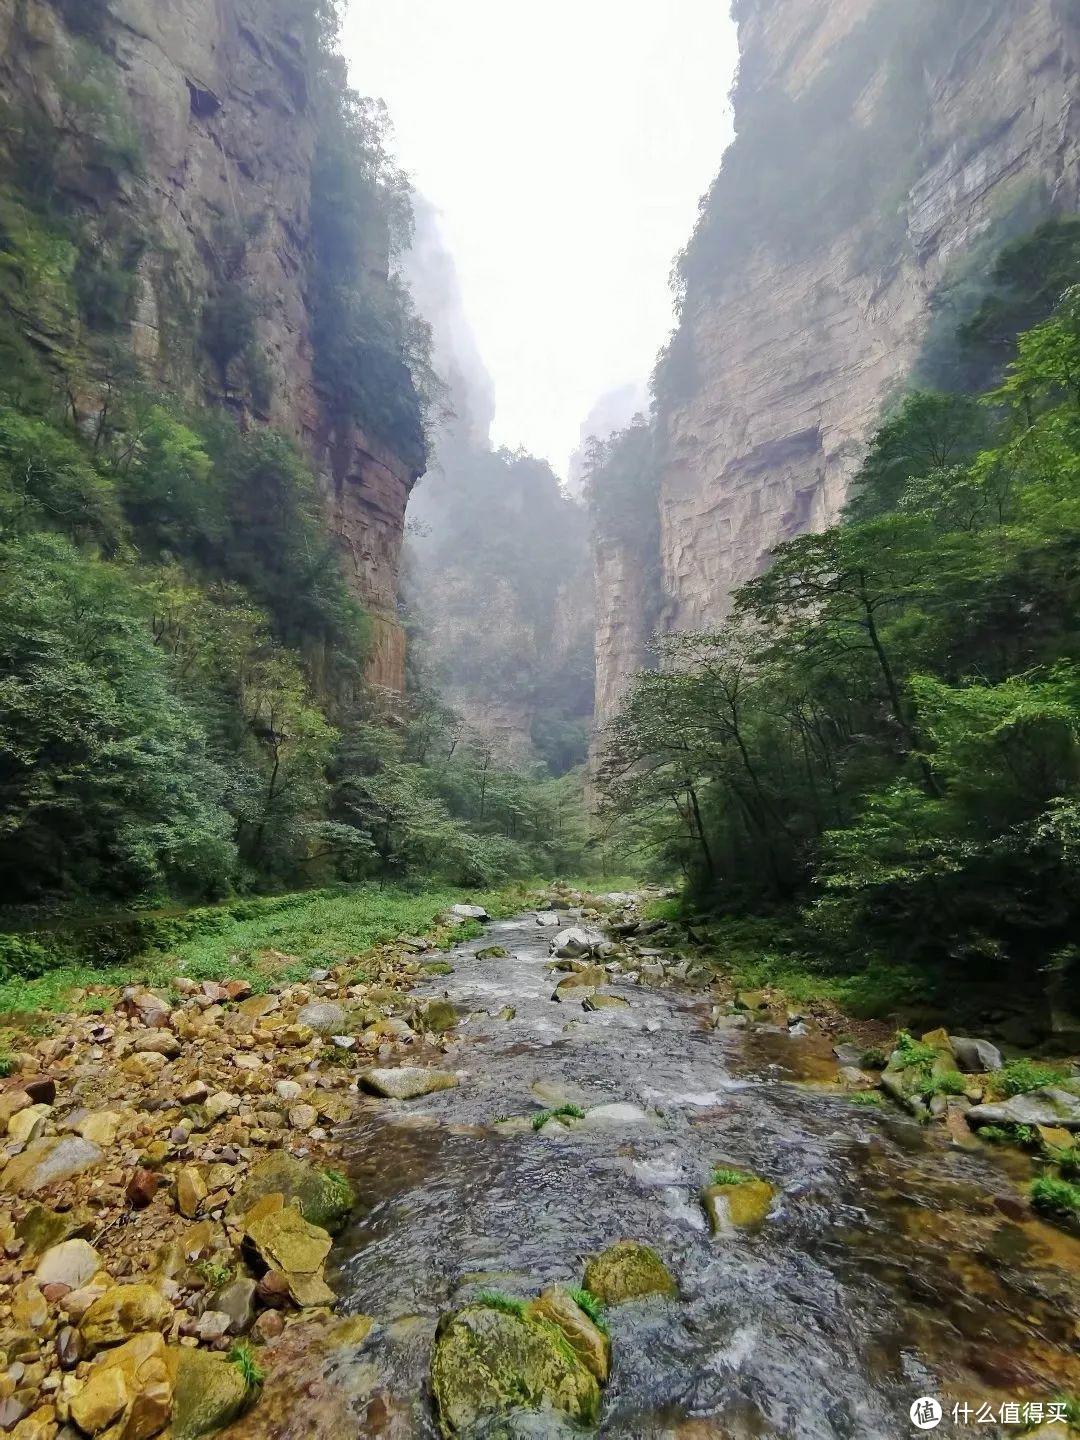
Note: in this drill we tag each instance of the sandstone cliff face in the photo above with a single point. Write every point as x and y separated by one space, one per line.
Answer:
791 348
218 94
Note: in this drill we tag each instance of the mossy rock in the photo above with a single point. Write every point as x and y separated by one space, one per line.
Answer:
628 1271
327 1200
589 1343
438 1016
493 952
737 1206
208 1392
437 967
489 1363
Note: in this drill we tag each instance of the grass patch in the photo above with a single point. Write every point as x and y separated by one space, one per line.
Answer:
911 1053
724 1175
243 1357
1060 1199
1026 1136
1020 1077
951 1083
264 941
561 1112
873 1060
214 1273
1067 1160
593 1307
868 1099
499 1300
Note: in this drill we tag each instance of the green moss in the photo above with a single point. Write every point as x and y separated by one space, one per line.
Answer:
870 1099
499 1300
561 1112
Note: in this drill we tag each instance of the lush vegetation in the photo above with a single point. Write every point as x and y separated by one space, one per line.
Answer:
883 747
183 713
261 939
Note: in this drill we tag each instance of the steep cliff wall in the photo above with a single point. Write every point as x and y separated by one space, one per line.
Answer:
214 97
876 143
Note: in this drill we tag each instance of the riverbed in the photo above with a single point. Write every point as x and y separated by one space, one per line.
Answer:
894 1264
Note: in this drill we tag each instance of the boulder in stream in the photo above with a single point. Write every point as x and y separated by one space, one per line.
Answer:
590 1343
406 1082
627 1270
491 1362
736 1203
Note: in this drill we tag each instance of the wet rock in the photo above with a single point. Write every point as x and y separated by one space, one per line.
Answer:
975 1057
208 1392
350 1332
283 1240
602 1117
407 1082
72 1263
488 1363
627 1270
493 952
48 1162
1039 1107
547 917
120 1312
325 1017
605 1002
575 942
438 1016
506 1013
574 988
268 1326
738 1205
591 1345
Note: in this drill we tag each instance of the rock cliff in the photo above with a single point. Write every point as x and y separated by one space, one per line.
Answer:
878 145
216 97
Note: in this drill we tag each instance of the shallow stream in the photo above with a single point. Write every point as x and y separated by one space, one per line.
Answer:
894 1264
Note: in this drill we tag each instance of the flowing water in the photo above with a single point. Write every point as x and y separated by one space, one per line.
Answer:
894 1264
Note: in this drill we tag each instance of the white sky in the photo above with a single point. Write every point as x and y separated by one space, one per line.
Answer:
566 144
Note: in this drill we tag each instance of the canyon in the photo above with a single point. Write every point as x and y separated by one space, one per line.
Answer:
218 100
852 196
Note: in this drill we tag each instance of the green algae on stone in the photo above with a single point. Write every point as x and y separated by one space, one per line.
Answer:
589 1342
492 952
438 1016
208 1392
488 1363
736 1201
325 1197
627 1270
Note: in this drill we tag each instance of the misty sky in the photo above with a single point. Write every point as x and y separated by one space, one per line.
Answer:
566 145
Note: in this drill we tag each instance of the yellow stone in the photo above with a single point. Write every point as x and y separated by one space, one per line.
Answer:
103 1399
